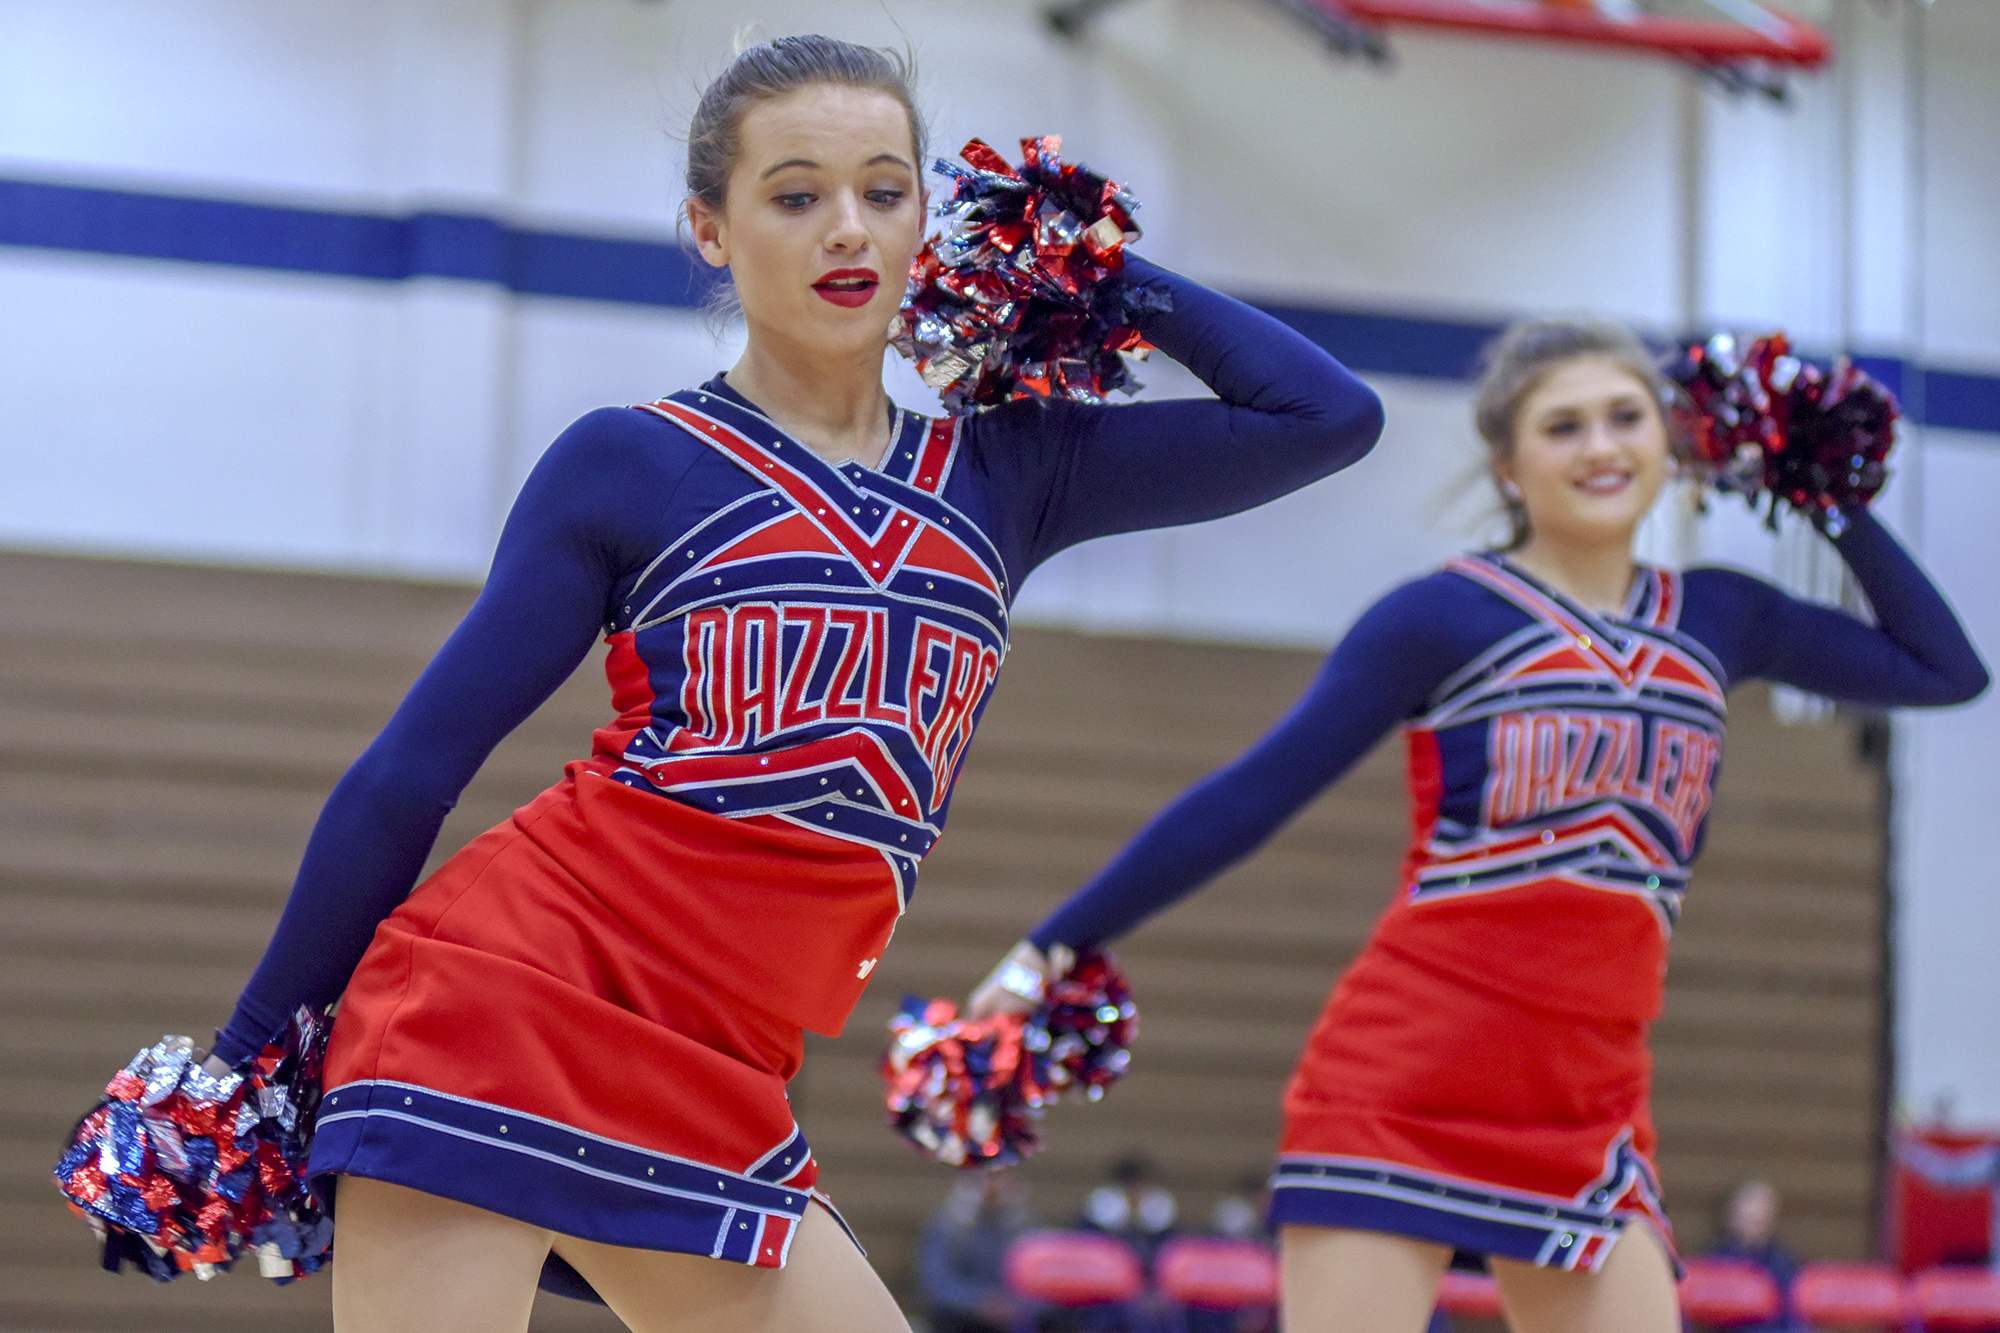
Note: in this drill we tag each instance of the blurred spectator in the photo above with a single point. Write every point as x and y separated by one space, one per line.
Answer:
1133 1207
1241 1215
1750 1231
959 1257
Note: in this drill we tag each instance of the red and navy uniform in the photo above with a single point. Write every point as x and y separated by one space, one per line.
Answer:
587 1017
1479 1077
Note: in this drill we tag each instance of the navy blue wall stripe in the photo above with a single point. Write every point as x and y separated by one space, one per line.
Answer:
392 248
351 245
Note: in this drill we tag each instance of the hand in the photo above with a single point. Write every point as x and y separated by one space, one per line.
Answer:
212 1065
1016 986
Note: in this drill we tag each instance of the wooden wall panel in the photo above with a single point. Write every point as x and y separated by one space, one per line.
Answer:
167 734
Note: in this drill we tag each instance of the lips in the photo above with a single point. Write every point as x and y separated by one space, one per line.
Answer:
850 287
1604 483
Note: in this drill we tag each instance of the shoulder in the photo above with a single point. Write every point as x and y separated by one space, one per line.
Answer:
1712 588
609 479
622 440
1448 597
1442 612
1007 429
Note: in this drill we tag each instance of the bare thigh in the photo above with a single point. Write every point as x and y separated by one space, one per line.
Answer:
409 1260
1341 1281
405 1259
1632 1293
826 1286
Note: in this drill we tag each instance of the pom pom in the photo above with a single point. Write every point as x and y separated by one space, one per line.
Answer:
179 1170
971 1094
1014 300
1763 422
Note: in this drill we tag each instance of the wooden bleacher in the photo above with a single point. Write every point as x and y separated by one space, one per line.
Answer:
167 734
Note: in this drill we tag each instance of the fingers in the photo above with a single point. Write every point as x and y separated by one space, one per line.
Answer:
991 1000
1016 986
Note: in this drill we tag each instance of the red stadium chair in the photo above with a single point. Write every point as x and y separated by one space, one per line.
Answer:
1070 1269
1729 1293
1955 1300
1474 1295
1848 1298
1216 1274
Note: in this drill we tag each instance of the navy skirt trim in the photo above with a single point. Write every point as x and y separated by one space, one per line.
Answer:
1363 1195
551 1175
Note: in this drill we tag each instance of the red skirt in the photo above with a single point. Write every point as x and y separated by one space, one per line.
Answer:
1431 1105
586 1020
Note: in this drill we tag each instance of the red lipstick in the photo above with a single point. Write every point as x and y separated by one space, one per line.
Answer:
850 287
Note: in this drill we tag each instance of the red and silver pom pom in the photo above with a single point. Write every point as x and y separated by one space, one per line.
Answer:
179 1170
1764 422
1013 301
971 1094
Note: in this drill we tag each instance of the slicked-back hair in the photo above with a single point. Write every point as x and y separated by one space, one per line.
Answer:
772 69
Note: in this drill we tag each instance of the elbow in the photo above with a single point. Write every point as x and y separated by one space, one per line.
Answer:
1363 427
1347 423
1970 683
392 783
1949 687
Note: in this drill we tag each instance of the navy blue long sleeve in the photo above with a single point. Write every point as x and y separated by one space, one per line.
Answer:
1916 654
572 531
1423 633
620 485
1285 414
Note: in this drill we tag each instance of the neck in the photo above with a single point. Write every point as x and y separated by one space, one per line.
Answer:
833 404
1593 575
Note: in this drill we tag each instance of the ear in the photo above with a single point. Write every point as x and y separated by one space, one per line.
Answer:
711 232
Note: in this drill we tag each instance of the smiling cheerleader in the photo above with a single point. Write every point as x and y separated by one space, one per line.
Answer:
1479 1078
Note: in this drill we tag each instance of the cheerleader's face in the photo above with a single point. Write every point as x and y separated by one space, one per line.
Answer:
824 213
1590 453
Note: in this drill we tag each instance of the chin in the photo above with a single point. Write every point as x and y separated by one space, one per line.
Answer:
842 331
1594 529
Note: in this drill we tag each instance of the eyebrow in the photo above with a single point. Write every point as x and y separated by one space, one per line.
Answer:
808 162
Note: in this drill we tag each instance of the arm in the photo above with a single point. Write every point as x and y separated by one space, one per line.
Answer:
1381 673
1285 414
543 604
1915 654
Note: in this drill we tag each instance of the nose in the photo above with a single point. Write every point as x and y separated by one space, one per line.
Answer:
846 233
1601 439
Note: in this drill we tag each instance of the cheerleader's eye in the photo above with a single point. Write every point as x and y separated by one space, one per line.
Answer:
796 201
886 198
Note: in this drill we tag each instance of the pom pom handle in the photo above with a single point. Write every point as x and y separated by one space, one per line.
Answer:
971 1093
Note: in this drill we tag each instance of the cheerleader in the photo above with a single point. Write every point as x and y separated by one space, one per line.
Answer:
563 1056
1479 1077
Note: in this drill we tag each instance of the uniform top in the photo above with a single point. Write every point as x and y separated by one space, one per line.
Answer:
775 620
1553 750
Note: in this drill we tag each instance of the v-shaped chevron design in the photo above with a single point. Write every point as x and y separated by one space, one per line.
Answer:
814 487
